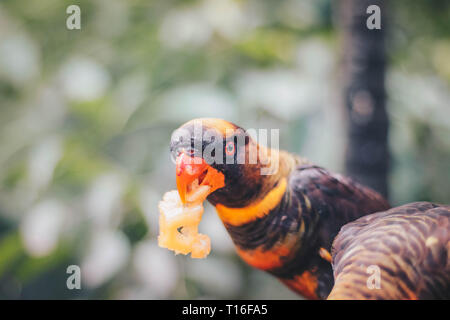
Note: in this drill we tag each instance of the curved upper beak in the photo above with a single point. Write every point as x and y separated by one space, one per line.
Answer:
189 169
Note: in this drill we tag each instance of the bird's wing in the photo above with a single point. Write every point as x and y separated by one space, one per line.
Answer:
335 200
321 202
401 253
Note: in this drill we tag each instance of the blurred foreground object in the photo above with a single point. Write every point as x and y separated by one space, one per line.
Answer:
407 249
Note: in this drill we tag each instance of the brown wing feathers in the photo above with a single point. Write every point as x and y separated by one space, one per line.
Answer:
336 199
409 244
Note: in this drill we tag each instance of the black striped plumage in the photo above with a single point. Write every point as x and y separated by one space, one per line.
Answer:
320 201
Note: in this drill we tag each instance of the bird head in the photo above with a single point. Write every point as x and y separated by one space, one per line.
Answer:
222 155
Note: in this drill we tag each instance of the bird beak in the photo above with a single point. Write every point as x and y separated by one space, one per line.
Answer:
195 169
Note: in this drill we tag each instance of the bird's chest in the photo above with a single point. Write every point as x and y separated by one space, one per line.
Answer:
266 259
264 245
267 240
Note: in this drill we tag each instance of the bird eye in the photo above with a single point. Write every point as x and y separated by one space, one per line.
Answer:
230 148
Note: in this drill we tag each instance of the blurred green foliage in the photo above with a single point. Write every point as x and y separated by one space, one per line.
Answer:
86 117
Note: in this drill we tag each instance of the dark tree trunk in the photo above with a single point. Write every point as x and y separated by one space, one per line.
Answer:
364 96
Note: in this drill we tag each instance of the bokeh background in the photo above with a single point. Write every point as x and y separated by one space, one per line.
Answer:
86 117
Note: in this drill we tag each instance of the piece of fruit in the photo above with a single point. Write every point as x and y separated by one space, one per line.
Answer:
178 224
